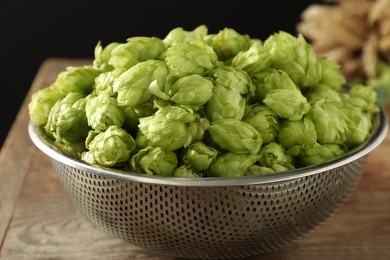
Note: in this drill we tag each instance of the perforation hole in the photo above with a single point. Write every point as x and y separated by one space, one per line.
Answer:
235 221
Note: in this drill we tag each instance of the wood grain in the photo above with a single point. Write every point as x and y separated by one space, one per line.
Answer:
17 148
39 221
46 225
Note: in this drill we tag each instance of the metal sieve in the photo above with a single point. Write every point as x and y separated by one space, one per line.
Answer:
210 218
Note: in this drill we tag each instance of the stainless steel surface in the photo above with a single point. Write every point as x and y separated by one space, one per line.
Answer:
216 218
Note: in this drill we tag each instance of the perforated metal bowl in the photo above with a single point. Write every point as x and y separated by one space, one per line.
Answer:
210 218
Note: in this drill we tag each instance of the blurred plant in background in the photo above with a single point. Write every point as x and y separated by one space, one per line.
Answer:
356 34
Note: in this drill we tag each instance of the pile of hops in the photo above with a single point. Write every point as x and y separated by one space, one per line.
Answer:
354 33
200 104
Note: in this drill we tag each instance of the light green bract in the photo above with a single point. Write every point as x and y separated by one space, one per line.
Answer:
195 104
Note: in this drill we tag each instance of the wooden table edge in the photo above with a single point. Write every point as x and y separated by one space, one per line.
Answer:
17 150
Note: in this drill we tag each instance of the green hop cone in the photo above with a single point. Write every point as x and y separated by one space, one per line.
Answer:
232 165
103 111
272 79
332 76
132 86
136 50
295 134
359 127
168 127
112 147
282 95
154 161
105 81
235 136
294 56
42 102
67 124
253 60
330 122
65 112
274 153
287 103
316 153
361 97
77 79
199 156
228 42
225 104
192 90
190 58
234 79
264 120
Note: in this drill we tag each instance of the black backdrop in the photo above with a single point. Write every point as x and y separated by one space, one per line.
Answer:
31 31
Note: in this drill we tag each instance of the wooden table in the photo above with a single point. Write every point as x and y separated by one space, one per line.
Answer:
39 221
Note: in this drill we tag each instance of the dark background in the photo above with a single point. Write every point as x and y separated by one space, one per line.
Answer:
31 31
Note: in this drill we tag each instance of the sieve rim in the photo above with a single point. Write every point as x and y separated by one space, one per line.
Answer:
378 134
